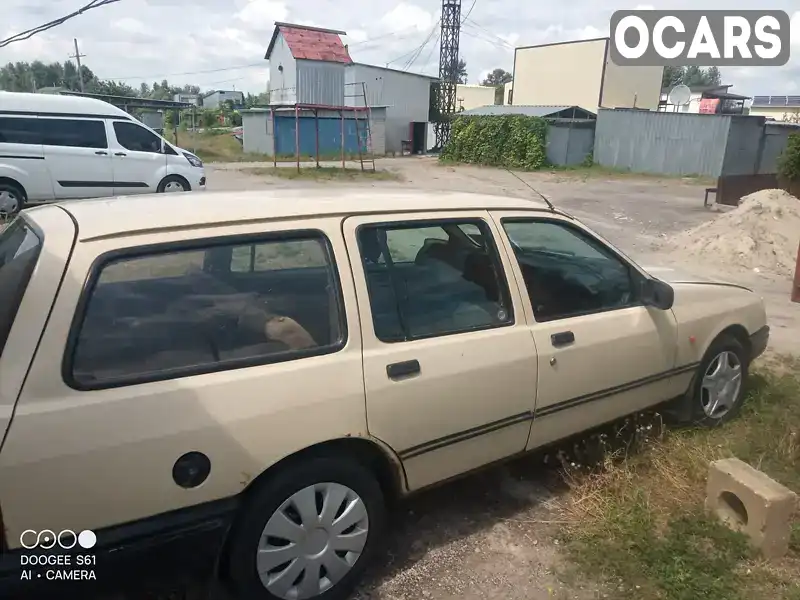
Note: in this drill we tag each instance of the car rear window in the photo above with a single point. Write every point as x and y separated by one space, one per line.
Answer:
19 251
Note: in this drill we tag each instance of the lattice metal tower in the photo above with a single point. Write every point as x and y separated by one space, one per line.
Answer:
448 69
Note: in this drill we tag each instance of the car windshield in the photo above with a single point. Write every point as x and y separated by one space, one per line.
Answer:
19 251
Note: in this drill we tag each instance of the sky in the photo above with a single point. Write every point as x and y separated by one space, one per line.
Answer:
220 44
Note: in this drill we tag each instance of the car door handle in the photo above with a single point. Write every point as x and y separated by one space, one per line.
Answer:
120 154
403 369
102 153
562 338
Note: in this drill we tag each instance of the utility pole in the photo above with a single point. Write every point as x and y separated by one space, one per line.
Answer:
78 56
448 70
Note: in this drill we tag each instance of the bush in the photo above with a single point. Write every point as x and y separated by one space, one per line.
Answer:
789 162
511 141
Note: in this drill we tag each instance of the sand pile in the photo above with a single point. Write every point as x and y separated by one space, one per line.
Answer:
761 234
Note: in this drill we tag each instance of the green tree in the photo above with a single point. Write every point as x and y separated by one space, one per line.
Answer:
498 78
691 76
461 71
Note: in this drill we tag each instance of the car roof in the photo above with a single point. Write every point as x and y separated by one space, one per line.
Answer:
132 215
57 104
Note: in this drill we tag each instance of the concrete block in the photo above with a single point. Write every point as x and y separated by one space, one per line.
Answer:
748 501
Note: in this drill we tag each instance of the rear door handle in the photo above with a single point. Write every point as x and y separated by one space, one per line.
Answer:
102 153
403 369
563 338
120 154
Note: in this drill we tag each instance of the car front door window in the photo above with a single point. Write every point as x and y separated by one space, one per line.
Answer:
567 273
136 139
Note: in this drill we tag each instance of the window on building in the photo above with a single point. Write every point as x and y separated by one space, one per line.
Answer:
433 278
169 314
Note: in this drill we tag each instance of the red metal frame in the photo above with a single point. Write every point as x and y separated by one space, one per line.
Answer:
796 284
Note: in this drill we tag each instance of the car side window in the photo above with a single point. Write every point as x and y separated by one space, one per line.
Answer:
19 130
167 314
566 272
73 133
292 254
136 138
432 278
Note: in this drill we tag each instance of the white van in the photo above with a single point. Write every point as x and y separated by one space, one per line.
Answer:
60 147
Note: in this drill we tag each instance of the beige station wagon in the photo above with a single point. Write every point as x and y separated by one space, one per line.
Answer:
241 383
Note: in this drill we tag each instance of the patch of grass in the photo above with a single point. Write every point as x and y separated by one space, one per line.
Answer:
590 171
216 147
326 174
639 519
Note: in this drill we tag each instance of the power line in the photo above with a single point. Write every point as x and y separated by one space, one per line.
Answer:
230 68
473 23
29 33
469 11
494 43
413 59
433 47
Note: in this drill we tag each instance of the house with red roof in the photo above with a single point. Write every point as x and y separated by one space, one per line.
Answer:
307 66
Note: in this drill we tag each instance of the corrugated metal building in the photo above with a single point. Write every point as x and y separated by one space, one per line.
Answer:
582 73
687 144
405 95
264 134
570 129
311 68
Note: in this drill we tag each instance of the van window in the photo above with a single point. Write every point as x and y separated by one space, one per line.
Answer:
19 251
136 139
163 315
75 133
19 130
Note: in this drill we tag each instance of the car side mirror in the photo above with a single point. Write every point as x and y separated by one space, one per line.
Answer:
658 294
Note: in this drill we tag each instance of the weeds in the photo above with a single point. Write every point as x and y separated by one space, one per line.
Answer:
637 510
326 173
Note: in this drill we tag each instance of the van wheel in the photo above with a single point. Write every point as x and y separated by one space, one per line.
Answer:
307 533
173 183
12 199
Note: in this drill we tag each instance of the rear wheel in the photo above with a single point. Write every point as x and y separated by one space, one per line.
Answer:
307 533
172 184
12 199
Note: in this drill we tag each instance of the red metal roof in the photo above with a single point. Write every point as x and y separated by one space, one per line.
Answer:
310 43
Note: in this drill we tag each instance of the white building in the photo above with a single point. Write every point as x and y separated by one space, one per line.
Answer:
708 99
581 73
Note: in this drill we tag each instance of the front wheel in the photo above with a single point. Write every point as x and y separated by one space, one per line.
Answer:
12 200
172 184
718 391
308 533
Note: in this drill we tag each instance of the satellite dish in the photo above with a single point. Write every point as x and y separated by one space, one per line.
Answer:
679 95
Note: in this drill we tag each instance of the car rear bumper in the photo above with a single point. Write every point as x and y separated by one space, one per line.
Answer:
758 342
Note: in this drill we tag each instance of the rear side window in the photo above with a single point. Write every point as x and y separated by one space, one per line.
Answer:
433 278
177 313
19 251
19 130
135 138
74 133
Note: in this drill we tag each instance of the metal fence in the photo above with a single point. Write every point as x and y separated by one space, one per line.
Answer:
689 144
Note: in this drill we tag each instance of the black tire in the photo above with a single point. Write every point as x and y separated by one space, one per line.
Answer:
690 407
241 573
173 179
17 192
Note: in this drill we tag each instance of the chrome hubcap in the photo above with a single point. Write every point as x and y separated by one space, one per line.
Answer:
174 186
721 384
9 203
312 541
